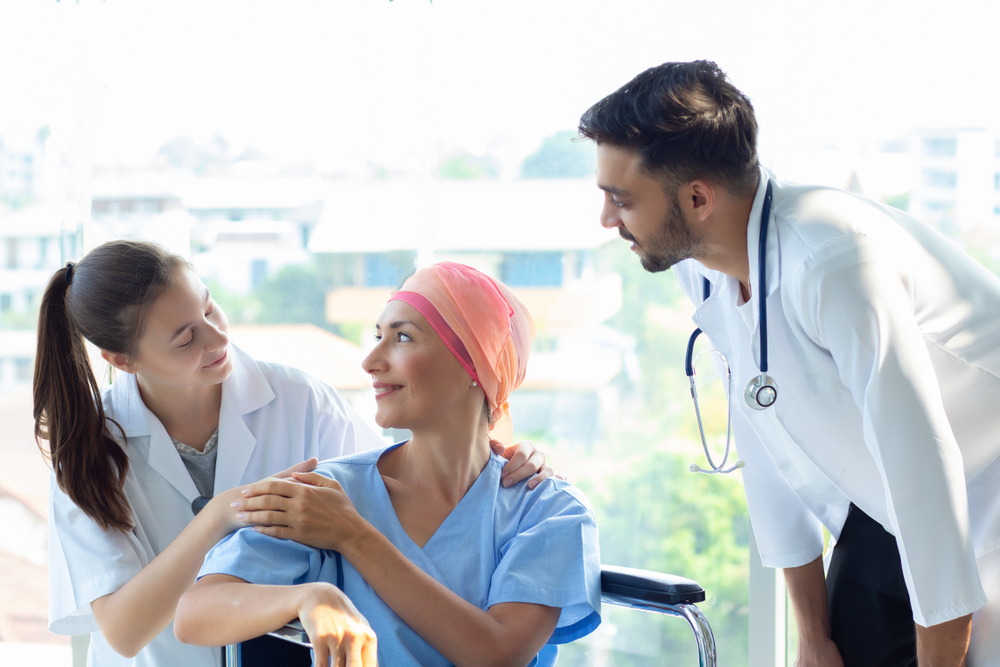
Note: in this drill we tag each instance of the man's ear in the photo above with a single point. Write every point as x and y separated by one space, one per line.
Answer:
118 360
698 197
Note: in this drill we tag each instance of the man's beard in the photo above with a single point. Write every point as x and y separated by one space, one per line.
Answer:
672 244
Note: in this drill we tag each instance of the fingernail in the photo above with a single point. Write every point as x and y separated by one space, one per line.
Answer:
235 505
245 491
507 481
241 516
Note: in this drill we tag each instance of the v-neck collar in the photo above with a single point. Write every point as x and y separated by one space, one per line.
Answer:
457 524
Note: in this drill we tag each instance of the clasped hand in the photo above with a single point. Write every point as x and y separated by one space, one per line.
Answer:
312 509
308 507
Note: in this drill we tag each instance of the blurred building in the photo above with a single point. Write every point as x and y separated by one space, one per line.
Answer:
139 206
22 164
247 228
957 184
33 244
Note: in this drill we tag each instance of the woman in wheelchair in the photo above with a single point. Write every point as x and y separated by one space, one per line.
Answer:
428 555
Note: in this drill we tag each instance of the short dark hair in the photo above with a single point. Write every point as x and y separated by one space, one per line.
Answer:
686 121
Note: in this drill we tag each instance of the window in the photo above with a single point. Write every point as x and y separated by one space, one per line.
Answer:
258 272
940 146
996 182
5 301
532 269
11 259
936 178
23 370
387 270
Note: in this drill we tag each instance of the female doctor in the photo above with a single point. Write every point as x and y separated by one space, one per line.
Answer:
145 471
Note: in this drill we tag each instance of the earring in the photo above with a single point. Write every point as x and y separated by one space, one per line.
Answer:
475 384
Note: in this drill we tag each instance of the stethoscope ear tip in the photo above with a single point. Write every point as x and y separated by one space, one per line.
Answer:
694 467
740 463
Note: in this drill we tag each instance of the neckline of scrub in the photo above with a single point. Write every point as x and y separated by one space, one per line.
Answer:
482 486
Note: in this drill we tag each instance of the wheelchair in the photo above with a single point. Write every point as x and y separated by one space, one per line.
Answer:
620 586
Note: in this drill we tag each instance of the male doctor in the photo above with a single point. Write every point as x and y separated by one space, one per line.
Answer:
884 344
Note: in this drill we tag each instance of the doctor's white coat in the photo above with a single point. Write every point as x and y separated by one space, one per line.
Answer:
271 418
884 341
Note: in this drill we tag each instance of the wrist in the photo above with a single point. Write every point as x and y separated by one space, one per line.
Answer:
815 630
312 595
220 515
363 539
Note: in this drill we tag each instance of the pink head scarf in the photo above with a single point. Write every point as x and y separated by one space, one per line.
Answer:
483 324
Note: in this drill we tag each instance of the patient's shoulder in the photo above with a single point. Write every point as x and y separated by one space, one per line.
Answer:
552 498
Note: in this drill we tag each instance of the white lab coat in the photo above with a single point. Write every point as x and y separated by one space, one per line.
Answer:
884 341
271 418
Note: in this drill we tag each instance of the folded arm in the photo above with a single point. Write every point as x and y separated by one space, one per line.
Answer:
221 609
506 634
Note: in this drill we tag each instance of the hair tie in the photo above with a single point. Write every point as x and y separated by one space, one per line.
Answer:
69 273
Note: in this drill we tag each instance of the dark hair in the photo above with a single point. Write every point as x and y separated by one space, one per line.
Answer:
686 121
104 298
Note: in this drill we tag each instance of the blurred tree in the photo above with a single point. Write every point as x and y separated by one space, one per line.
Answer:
561 157
655 515
293 295
902 202
466 166
239 309
184 153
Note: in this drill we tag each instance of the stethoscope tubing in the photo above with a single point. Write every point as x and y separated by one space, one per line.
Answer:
690 359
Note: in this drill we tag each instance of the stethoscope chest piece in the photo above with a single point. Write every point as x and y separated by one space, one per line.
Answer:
761 392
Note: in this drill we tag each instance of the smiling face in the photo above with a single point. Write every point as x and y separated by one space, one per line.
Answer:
184 341
636 204
418 382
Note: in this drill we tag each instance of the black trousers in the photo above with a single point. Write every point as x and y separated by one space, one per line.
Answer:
870 613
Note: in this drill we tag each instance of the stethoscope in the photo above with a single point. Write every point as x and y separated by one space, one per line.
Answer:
762 391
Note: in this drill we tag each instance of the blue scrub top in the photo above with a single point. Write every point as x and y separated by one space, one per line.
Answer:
498 545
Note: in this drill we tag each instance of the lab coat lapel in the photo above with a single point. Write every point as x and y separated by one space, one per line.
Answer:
137 421
244 391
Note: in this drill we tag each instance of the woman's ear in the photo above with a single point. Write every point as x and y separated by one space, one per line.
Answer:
118 360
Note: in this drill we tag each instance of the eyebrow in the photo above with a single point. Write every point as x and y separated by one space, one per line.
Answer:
613 190
184 328
398 323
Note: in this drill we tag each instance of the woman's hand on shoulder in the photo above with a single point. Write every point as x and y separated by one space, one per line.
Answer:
336 628
226 504
310 508
524 462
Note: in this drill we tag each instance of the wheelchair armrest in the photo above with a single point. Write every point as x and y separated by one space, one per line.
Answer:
649 586
623 582
292 632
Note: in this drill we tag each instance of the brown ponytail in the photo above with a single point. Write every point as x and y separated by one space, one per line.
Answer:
103 298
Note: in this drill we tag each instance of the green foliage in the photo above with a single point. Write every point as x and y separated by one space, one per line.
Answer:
561 157
353 331
652 512
655 515
238 308
17 320
902 202
467 166
16 201
292 295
